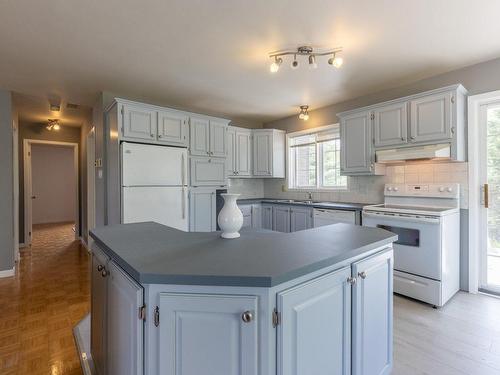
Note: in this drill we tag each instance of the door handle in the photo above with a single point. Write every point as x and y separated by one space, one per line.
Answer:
33 197
486 196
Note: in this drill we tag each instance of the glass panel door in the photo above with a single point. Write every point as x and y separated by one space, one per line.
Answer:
490 262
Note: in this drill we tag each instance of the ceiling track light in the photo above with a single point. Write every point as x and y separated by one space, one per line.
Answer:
53 125
334 60
304 112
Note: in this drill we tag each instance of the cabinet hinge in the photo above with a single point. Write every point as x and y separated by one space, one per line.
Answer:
156 316
276 318
142 312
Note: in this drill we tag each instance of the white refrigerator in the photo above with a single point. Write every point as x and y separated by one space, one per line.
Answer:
154 185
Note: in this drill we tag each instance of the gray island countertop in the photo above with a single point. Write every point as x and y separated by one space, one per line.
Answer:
155 254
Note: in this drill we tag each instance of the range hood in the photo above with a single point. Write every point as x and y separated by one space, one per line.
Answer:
414 153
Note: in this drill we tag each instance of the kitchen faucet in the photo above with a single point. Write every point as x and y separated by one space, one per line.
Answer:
309 195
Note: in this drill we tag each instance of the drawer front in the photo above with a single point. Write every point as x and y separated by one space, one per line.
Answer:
208 172
420 288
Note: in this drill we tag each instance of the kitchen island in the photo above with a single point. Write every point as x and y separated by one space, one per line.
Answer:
318 301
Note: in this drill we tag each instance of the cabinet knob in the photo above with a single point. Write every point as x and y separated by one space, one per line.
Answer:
412 138
104 273
152 135
403 139
362 275
100 267
351 280
159 136
247 316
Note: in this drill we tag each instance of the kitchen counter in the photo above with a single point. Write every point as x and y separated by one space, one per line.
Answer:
326 205
155 254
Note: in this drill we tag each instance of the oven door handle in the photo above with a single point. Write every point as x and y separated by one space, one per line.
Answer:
402 218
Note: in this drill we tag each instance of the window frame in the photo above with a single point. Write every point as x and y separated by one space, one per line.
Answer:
319 157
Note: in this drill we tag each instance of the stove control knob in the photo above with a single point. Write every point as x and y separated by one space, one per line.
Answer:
396 188
449 189
441 189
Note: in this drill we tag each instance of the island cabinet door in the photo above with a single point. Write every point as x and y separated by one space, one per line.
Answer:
372 315
314 332
208 334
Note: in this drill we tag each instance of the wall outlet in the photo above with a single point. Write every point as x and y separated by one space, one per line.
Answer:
284 188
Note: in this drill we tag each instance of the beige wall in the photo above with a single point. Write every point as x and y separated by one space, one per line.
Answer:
53 184
477 79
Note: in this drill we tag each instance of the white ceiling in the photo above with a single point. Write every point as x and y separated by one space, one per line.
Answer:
212 55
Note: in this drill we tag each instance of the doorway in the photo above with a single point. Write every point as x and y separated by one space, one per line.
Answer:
50 185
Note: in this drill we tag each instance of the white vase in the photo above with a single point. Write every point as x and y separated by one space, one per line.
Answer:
230 217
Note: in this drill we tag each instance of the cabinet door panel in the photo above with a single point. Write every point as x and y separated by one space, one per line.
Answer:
205 334
262 154
244 153
202 213
125 328
391 125
208 172
99 295
281 219
300 219
172 128
431 118
139 122
267 217
199 137
218 139
231 152
356 140
314 334
372 315
256 216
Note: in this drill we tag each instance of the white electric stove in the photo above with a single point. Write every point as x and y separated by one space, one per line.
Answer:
426 218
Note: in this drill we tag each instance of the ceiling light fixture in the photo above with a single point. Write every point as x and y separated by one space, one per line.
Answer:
334 60
304 112
53 125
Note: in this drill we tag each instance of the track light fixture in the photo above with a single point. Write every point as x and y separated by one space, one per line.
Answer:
334 60
304 112
53 125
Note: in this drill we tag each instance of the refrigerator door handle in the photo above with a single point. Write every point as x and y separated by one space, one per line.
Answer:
183 203
183 170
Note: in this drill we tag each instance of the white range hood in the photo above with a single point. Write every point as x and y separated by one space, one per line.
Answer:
414 153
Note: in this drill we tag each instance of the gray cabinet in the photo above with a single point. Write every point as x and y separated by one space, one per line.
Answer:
256 216
372 315
208 334
139 122
431 117
208 137
246 211
98 316
172 128
267 216
239 152
281 219
207 171
202 210
269 153
390 125
316 317
356 153
125 326
300 218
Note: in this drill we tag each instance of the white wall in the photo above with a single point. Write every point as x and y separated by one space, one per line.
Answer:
54 185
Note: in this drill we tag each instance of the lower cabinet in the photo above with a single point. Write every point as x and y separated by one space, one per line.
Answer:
315 332
208 334
256 216
300 218
117 327
202 210
281 219
372 310
267 216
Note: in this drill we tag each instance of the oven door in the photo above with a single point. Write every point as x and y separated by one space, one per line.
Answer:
418 248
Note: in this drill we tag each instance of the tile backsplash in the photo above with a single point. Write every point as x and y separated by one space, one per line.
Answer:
247 187
370 189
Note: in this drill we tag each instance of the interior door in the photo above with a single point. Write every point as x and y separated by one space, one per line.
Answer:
149 165
314 336
139 122
208 334
489 174
162 204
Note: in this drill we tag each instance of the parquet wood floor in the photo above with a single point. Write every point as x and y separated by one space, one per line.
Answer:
40 305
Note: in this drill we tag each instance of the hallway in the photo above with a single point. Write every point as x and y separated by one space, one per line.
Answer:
40 305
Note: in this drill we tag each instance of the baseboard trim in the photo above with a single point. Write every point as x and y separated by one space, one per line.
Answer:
22 245
85 245
8 273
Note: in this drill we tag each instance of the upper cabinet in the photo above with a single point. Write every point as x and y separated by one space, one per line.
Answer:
239 152
390 124
172 128
269 153
208 137
139 122
432 117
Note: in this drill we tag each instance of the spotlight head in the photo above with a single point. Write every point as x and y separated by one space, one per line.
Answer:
275 66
